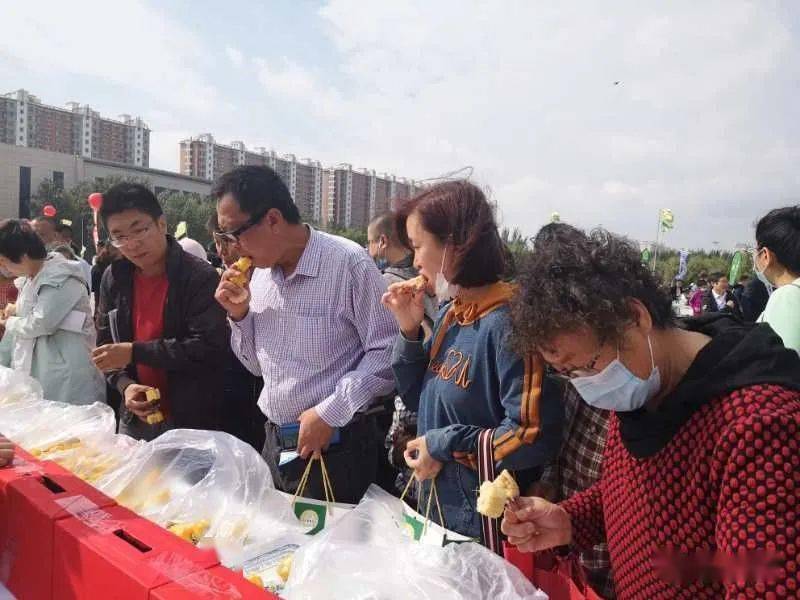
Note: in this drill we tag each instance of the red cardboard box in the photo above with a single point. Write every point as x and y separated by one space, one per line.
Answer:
119 555
218 582
35 503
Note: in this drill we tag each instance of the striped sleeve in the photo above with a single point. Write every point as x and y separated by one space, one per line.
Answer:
526 428
529 434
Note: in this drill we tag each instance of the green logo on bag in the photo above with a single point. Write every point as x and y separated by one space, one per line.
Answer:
413 528
311 516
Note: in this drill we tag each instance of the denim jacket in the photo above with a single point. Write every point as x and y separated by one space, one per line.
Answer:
467 379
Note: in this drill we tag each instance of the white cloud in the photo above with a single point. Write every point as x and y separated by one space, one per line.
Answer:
289 80
704 119
235 56
127 43
525 92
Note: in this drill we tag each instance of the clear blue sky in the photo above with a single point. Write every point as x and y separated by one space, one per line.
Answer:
705 119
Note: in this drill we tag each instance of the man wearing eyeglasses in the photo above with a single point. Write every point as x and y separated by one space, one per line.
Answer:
310 322
158 325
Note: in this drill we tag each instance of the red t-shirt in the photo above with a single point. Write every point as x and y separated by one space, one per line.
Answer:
149 300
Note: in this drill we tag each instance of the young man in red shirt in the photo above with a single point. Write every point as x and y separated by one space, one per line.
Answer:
158 325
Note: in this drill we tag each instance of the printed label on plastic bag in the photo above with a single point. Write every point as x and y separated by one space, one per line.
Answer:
265 566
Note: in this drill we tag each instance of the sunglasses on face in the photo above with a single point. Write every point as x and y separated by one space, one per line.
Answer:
232 237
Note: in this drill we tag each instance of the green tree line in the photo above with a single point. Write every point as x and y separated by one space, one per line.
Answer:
72 205
195 210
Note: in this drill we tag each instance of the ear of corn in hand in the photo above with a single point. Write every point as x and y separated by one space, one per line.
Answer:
494 495
154 395
155 418
243 266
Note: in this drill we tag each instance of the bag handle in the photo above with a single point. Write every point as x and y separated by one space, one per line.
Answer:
433 494
486 472
326 483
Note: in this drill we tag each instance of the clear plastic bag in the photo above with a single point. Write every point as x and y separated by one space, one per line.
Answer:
367 555
45 426
20 400
206 486
17 387
42 427
94 456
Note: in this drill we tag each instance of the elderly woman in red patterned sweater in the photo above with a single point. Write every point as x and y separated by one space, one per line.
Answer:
701 471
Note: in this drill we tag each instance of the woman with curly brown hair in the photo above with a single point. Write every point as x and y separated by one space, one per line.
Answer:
698 492
466 379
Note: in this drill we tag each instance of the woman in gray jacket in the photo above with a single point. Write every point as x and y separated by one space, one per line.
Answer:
49 334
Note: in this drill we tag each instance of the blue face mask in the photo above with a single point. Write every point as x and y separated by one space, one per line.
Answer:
616 388
381 263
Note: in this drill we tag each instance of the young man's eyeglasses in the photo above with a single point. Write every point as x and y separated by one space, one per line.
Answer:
136 235
232 237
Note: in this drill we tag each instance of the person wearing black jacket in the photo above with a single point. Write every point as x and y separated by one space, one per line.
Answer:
158 325
719 297
754 299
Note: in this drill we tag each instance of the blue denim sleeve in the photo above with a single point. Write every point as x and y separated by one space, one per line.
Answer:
409 362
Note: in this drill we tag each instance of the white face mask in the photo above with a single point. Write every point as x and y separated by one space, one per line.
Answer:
444 291
760 273
616 388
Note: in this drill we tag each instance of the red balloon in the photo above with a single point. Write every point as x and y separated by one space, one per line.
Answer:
48 210
96 200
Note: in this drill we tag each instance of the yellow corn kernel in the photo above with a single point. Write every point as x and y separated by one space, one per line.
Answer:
182 530
155 418
191 532
243 266
199 529
255 580
152 394
285 567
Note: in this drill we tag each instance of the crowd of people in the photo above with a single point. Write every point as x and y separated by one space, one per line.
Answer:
661 452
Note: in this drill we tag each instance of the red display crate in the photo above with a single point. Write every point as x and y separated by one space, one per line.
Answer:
218 582
35 504
118 555
23 465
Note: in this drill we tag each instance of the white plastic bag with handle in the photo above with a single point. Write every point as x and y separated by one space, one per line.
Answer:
367 555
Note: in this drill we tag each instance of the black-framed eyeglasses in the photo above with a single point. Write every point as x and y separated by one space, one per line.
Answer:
585 371
232 237
136 235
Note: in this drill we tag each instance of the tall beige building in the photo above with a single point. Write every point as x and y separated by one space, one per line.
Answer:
76 129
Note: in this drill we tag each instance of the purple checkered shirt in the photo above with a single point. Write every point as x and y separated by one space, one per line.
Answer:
319 337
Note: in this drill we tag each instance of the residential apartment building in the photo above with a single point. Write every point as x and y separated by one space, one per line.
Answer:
354 197
205 158
340 196
77 130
